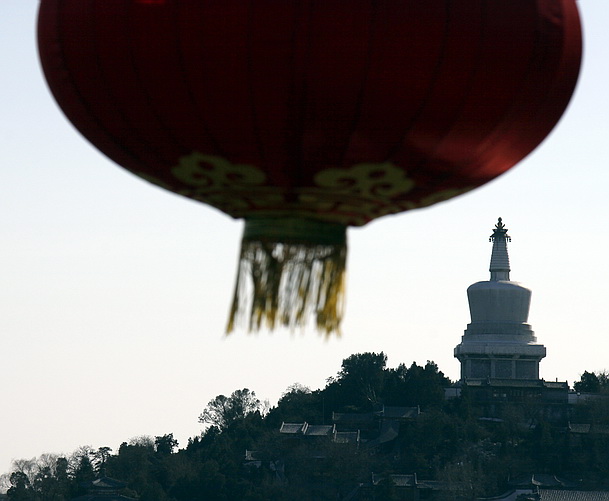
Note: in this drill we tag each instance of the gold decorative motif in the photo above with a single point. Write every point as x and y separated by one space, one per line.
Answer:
351 196
208 173
382 181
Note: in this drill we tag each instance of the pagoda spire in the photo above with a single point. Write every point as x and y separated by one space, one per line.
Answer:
500 261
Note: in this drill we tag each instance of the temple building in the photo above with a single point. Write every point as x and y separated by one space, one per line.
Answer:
499 343
499 353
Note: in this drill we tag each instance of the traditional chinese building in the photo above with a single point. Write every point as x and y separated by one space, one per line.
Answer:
499 353
104 489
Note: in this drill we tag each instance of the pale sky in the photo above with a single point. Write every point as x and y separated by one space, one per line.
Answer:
114 294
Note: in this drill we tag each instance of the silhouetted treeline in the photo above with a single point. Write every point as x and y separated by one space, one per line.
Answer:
447 441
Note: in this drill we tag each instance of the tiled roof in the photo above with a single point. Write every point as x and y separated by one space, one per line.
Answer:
352 417
255 455
319 430
346 437
399 412
547 480
542 480
107 483
398 480
598 429
103 497
518 383
389 431
579 427
315 430
556 384
568 495
292 428
436 485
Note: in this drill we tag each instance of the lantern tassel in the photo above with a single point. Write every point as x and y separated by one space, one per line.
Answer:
289 270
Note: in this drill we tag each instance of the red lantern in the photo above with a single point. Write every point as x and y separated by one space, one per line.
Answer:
305 116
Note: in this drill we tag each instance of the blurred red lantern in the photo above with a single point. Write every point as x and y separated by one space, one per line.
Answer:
306 116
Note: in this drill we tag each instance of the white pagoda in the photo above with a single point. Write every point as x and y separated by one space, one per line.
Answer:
499 344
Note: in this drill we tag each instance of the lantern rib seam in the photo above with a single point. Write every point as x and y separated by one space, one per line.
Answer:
71 80
201 120
363 83
294 145
425 101
150 102
250 85
538 55
440 176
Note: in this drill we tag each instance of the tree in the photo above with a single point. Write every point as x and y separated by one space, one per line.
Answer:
365 371
39 479
593 382
222 411
588 383
5 482
27 467
603 379
133 463
145 441
100 457
46 485
165 444
21 488
359 383
297 403
61 475
415 385
82 469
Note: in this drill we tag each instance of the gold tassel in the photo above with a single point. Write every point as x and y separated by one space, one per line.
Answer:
290 269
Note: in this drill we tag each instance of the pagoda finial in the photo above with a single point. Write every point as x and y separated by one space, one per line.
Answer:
500 261
500 232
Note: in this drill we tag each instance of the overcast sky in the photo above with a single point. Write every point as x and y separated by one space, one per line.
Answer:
114 294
